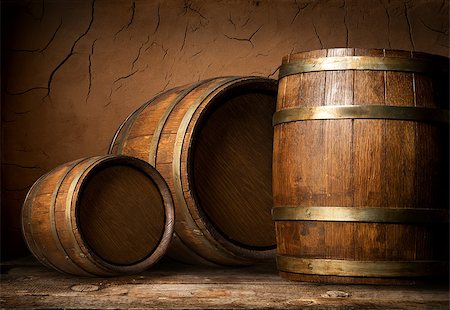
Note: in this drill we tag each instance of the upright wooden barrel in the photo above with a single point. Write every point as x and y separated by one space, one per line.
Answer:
360 166
212 142
99 216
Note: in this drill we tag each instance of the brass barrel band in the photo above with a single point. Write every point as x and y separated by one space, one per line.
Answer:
335 112
382 269
361 63
358 214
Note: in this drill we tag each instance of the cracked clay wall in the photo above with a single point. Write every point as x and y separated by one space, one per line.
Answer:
73 70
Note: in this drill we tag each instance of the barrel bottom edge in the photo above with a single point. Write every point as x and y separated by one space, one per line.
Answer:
298 277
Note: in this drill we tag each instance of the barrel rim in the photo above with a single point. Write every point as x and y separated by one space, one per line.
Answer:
189 225
412 54
169 214
358 268
249 252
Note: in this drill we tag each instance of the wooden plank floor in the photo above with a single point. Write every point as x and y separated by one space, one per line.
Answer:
26 284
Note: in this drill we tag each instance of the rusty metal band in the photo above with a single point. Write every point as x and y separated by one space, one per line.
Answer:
162 121
352 214
335 112
361 63
176 165
347 268
68 214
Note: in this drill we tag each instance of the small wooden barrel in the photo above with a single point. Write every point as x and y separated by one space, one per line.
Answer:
99 216
212 142
360 166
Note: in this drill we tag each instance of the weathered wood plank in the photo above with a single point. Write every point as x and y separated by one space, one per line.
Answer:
174 285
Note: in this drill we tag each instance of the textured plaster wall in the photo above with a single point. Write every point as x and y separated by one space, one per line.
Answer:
73 70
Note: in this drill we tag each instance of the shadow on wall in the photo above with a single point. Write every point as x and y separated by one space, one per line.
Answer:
72 71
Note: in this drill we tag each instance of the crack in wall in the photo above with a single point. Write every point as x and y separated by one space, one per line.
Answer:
22 113
188 7
71 52
126 76
197 53
317 34
230 19
118 87
443 3
90 70
25 91
161 46
165 86
33 151
249 39
42 11
299 9
388 23
109 97
409 27
445 33
158 18
245 23
4 119
273 73
130 21
345 23
41 50
168 76
139 52
145 68
184 38
195 28
22 166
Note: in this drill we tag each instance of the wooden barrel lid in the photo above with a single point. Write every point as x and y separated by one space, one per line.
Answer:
125 211
231 164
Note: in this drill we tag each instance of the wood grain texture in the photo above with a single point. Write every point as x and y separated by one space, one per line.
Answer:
212 142
104 215
230 173
178 286
121 214
361 163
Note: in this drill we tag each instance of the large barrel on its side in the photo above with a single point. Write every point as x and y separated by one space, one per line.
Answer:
99 216
360 166
212 142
